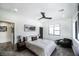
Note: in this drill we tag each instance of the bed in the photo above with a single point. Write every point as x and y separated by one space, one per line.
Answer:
41 47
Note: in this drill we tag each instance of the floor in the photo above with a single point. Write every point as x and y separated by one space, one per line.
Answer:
59 51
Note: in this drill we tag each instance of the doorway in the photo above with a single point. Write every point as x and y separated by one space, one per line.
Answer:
8 35
41 32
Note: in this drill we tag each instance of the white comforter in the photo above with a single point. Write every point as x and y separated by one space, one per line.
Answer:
41 47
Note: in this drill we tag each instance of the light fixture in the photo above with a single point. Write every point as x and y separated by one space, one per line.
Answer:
63 15
61 10
15 9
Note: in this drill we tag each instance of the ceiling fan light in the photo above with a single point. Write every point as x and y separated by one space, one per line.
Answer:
16 10
61 10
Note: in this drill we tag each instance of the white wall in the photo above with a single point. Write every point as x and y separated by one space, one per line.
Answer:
75 41
19 21
5 36
65 29
30 13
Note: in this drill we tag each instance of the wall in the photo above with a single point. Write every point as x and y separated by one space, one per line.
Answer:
75 41
5 36
75 45
65 29
30 13
19 21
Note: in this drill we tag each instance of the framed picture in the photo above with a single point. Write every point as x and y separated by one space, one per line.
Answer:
29 28
3 28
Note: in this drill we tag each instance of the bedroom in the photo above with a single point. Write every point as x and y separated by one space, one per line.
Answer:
23 15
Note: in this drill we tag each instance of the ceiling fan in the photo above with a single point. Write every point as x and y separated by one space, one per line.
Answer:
43 16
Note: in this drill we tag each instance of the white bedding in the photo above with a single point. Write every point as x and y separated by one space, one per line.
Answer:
41 47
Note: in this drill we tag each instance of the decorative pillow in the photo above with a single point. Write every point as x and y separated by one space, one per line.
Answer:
24 39
29 38
34 38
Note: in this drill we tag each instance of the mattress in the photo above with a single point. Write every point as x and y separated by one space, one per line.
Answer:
41 47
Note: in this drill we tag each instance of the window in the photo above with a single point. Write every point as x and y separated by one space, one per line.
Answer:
54 29
51 29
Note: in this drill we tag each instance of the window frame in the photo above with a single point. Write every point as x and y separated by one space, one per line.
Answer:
49 30
54 30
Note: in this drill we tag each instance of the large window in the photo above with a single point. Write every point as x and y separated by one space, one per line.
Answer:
54 29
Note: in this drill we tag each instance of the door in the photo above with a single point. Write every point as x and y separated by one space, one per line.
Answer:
41 32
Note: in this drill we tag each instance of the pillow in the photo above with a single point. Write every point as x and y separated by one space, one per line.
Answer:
24 39
34 38
29 38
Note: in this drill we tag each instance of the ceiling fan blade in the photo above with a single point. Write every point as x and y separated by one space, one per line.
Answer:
48 18
40 18
43 14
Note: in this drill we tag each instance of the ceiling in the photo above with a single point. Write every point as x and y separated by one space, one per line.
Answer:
32 10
